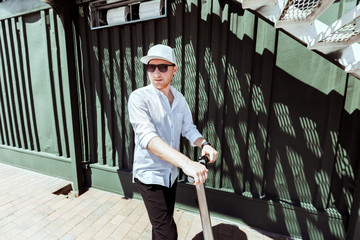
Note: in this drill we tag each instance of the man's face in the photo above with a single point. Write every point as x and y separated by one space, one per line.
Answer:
162 80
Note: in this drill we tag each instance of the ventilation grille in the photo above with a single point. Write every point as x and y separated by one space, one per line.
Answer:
299 10
345 33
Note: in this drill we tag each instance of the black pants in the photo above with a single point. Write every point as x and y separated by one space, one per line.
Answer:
160 202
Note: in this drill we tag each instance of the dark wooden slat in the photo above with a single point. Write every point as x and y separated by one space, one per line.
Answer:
51 65
118 89
28 94
19 87
130 84
4 134
215 60
15 110
107 95
95 73
57 82
7 87
186 72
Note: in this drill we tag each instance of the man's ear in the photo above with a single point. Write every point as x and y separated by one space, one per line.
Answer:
175 70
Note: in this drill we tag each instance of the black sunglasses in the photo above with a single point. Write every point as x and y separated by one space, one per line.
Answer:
162 67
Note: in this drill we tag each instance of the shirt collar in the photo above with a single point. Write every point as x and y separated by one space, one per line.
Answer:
172 89
160 93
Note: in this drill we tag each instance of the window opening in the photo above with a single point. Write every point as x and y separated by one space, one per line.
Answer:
107 13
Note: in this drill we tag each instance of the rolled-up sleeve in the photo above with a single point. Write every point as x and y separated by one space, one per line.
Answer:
140 120
189 130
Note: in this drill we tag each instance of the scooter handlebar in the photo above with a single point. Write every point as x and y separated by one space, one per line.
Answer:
203 160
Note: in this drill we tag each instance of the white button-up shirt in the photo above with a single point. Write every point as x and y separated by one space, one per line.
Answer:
151 115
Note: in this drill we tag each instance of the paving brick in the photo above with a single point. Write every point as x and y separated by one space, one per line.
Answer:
74 220
135 215
85 212
51 237
102 209
117 219
62 230
28 215
104 198
105 232
195 227
39 235
121 231
144 217
83 226
119 206
183 226
7 227
68 236
19 236
54 225
9 218
147 234
88 234
12 233
132 235
140 226
102 221
36 226
129 208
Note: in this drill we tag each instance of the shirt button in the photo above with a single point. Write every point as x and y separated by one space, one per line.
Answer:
172 126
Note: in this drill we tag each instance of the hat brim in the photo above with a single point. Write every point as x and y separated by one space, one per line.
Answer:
147 59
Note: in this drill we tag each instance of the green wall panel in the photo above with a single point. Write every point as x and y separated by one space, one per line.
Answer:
34 129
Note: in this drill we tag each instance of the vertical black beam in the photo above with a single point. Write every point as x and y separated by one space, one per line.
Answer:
68 11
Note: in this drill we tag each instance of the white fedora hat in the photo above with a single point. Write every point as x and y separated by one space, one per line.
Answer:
160 52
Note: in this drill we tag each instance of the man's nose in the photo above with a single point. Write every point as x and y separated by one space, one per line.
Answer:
157 71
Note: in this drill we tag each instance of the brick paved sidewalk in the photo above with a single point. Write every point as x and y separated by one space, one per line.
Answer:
29 209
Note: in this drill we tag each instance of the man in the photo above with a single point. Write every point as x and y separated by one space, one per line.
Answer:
159 114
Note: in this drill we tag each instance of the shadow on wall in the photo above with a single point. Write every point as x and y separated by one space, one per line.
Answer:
281 140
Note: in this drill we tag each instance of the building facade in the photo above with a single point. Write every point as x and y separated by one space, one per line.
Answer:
284 119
